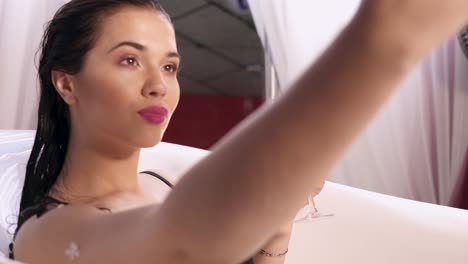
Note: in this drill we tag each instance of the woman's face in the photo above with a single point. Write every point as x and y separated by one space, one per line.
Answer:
132 66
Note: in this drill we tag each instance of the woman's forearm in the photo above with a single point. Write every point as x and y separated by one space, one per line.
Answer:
261 173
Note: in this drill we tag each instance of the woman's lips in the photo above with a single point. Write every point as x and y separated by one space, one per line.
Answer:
154 114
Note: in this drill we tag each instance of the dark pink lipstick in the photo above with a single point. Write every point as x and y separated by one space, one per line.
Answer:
154 114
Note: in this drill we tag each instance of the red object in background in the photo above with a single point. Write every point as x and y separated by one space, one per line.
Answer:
464 192
200 121
460 197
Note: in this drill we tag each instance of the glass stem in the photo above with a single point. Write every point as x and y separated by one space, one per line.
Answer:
310 201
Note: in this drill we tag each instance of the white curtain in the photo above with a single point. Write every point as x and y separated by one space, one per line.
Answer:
21 27
416 146
288 29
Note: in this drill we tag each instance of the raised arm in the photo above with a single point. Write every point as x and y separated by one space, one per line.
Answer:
260 174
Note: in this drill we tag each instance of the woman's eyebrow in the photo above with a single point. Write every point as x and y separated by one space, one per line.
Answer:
135 45
141 47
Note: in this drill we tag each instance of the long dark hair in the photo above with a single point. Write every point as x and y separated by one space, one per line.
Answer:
67 39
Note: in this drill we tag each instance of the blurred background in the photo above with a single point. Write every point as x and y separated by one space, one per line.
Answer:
222 74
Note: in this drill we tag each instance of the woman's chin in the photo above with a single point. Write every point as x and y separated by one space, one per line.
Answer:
146 138
149 142
150 145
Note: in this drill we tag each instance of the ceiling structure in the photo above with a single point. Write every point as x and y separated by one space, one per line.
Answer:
221 51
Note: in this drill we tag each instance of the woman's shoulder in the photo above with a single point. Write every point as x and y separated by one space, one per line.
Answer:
56 217
62 218
96 233
37 230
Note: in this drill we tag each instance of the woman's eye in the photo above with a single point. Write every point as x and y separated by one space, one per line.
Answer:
130 61
170 68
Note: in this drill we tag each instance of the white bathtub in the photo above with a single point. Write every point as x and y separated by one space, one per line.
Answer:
367 227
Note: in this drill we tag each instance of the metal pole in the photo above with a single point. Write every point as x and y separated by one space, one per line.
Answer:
272 87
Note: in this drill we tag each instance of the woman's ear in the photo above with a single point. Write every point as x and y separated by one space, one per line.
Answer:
64 86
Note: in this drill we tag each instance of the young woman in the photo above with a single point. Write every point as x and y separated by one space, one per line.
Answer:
108 73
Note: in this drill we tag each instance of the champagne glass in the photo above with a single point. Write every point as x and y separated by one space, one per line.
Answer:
312 212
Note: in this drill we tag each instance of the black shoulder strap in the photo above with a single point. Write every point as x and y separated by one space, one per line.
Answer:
159 177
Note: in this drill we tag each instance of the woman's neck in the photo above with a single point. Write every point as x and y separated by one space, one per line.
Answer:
97 168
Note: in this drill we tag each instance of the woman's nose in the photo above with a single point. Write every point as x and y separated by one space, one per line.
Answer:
155 87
